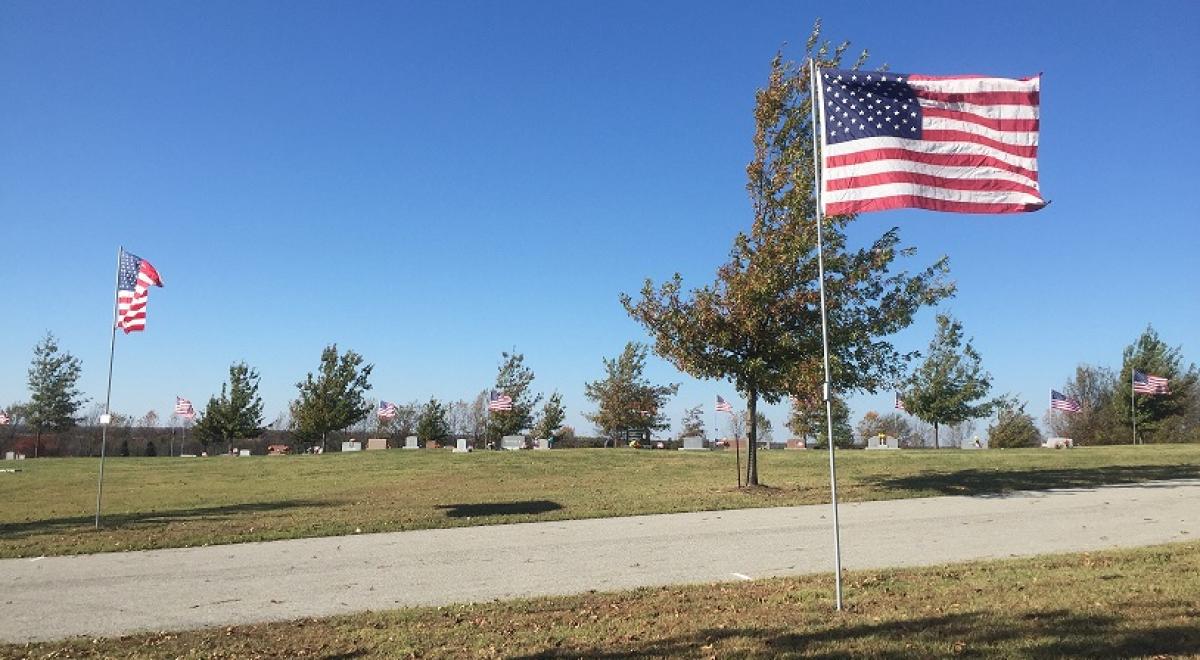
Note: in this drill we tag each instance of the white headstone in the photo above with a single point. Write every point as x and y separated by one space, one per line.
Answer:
512 442
411 442
460 446
352 445
10 456
243 452
882 442
693 443
541 443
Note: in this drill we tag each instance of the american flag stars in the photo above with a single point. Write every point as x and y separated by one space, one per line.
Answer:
872 105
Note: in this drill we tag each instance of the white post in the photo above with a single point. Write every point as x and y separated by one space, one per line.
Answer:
814 100
1132 406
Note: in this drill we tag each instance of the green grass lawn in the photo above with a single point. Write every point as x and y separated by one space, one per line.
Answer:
170 502
1118 604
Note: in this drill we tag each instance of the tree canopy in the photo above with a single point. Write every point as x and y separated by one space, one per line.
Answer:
54 396
1013 427
514 379
625 398
1160 417
759 323
335 398
431 424
236 413
950 385
550 420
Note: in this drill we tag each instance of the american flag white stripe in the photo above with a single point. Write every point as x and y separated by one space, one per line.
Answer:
723 406
1060 401
183 408
977 151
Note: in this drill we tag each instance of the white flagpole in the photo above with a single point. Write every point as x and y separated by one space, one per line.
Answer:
104 421
814 101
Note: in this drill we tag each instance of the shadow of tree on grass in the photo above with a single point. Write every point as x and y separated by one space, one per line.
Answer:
1000 481
499 508
111 521
1048 634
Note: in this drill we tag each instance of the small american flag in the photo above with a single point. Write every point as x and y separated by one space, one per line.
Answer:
4 419
135 276
184 408
499 401
723 406
1144 383
1060 401
387 410
900 403
965 144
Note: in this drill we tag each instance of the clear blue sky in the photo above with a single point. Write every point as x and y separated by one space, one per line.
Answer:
430 184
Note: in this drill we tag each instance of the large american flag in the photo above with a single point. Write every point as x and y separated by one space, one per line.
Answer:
900 403
966 144
1144 383
1060 401
184 408
499 401
387 410
723 406
135 276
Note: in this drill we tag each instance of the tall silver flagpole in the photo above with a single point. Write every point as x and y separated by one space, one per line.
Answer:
104 421
814 100
1132 406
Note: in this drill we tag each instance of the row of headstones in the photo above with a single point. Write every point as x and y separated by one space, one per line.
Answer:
696 443
509 442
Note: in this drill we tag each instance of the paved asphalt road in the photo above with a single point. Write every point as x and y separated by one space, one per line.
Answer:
117 593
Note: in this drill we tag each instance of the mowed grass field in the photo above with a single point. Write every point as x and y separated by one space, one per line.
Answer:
47 508
1118 604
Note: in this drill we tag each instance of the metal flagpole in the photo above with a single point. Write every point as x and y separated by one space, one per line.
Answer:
1132 406
104 421
814 100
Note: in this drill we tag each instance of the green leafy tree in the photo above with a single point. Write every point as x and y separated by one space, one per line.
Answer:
693 422
551 418
1099 422
891 424
807 421
1013 428
625 398
759 324
431 423
950 386
1158 413
54 397
236 413
515 380
335 398
151 449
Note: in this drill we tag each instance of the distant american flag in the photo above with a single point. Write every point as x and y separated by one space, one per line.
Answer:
184 408
900 403
1060 401
387 410
4 418
499 401
723 406
1144 383
966 144
135 276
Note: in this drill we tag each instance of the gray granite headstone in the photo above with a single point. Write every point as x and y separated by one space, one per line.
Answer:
882 442
512 442
693 443
411 442
541 443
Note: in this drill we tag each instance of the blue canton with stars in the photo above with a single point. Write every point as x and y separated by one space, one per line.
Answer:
861 104
128 272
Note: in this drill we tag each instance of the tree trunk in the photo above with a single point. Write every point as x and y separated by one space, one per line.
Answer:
324 442
935 436
37 441
752 445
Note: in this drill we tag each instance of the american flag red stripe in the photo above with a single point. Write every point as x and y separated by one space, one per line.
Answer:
974 150
723 406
